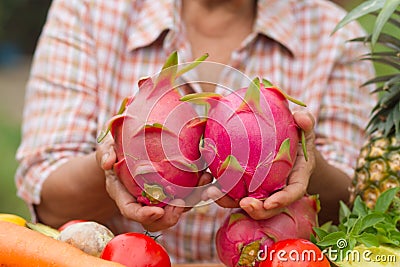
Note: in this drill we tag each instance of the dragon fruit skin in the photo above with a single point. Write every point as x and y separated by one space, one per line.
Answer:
241 239
156 140
250 140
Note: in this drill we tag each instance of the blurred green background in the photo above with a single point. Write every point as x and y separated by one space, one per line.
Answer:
20 25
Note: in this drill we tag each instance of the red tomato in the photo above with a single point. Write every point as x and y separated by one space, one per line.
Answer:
294 253
65 225
136 250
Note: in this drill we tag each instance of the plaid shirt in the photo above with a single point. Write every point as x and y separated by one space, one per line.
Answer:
92 53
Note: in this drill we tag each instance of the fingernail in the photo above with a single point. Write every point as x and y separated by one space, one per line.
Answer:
249 208
104 158
271 206
204 196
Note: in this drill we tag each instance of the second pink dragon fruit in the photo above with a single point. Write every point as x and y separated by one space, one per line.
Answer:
250 140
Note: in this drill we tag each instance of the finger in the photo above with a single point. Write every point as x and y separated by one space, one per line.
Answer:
105 153
255 209
196 195
145 214
173 212
305 120
108 160
220 198
127 203
293 191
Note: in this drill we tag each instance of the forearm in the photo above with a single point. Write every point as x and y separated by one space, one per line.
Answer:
332 186
76 190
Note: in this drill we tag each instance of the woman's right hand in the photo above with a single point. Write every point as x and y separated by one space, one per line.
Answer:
152 218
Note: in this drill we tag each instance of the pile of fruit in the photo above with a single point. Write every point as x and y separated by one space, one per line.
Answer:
76 243
248 139
163 147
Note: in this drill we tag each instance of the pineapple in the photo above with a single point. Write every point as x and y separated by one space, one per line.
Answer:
378 164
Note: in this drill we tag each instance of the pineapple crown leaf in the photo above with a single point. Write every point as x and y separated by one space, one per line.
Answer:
385 9
361 10
386 12
388 80
385 40
385 116
384 60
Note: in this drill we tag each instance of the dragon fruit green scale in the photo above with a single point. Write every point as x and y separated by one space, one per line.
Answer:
157 139
250 139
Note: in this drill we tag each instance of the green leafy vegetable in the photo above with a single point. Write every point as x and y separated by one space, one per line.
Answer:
361 225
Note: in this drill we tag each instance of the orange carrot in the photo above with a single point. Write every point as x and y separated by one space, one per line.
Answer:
23 247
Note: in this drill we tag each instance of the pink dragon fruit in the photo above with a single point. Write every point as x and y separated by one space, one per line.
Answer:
243 241
250 140
157 139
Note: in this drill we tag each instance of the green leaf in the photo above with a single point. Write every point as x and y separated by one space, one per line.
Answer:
387 10
369 240
364 222
350 223
359 207
313 239
320 233
383 78
394 237
352 243
328 227
396 119
385 240
331 239
356 228
359 11
385 199
344 211
384 60
371 220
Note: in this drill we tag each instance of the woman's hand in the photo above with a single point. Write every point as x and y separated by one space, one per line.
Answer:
296 186
152 218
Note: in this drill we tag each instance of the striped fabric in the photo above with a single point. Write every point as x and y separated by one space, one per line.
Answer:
92 53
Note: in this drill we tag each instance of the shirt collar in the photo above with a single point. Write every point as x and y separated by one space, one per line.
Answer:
152 19
276 20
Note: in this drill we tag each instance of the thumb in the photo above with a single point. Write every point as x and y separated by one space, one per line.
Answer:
305 120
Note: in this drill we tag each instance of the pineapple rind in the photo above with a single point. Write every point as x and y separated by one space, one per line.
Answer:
377 169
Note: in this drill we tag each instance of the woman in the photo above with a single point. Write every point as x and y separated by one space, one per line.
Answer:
91 55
